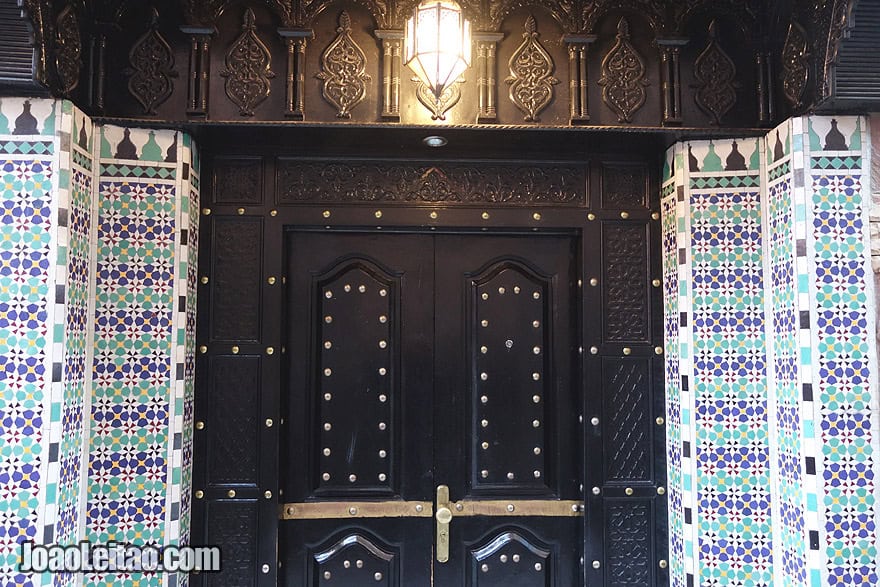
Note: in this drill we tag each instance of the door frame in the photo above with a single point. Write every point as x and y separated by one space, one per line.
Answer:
583 219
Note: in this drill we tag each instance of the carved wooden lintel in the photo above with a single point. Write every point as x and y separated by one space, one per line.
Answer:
392 48
296 41
578 76
670 76
199 68
487 81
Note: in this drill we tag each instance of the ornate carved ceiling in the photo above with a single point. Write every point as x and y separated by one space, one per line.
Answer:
646 63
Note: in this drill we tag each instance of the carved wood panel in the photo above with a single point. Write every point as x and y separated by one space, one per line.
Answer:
235 279
233 414
628 534
233 524
238 180
625 270
629 447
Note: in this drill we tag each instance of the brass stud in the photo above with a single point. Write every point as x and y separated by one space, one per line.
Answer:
273 213
536 376
327 575
377 576
536 215
383 319
382 477
501 290
516 289
383 292
484 423
661 491
328 426
347 288
270 280
485 296
594 421
655 282
419 507
235 350
484 473
485 446
484 399
485 216
270 350
206 211
378 213
382 344
328 319
627 351
628 491
326 213
200 494
200 425
536 324
594 350
328 372
597 564
352 478
325 476
484 323
594 282
516 558
503 558
596 491
362 288
536 350
459 507
484 568
660 420
328 345
510 506
624 215
327 452
484 376
382 426
536 399
290 510
240 211
328 396
536 423
537 474
203 349
536 295
204 279
538 566
328 294
230 493
658 350
382 454
382 371
353 510
663 564
269 422
383 398
433 215
484 350
537 450
655 215
267 494
591 216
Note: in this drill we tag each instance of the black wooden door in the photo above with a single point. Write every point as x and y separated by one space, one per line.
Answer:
431 378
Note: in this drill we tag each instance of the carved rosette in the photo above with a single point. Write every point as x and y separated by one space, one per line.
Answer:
152 67
795 64
343 69
247 70
715 73
68 50
531 74
623 76
438 106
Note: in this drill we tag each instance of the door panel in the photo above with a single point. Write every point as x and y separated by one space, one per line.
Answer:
359 395
505 320
423 360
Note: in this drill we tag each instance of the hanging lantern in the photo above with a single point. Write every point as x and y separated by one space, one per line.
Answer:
438 44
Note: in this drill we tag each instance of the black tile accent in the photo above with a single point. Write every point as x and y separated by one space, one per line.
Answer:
178 440
59 294
682 256
62 216
48 534
181 304
682 319
814 540
685 383
679 190
53 452
688 515
184 236
175 511
686 449
808 392
805 319
185 171
690 580
801 247
798 178
57 370
811 465
181 370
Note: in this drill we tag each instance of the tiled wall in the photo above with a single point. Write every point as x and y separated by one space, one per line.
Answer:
770 357
97 302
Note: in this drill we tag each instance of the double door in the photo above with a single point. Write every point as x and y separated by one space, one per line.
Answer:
432 405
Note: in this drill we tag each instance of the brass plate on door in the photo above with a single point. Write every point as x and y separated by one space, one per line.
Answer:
328 510
532 507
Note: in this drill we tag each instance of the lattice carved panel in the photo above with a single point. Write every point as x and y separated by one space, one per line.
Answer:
233 419
624 187
628 451
628 538
233 525
235 278
625 278
238 180
356 380
510 378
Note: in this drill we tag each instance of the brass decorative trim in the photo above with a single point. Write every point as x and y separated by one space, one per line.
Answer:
327 510
529 507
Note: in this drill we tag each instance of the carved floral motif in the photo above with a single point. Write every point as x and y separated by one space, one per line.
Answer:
795 64
531 74
715 73
68 50
623 76
247 70
438 106
152 67
343 69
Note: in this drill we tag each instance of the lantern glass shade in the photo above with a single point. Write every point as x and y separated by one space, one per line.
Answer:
438 44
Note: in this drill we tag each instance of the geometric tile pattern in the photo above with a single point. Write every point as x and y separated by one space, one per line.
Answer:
671 326
783 389
28 169
843 343
132 479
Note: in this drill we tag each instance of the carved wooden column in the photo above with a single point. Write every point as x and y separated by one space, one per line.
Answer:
296 41
199 68
764 86
98 63
392 47
487 75
579 100
670 74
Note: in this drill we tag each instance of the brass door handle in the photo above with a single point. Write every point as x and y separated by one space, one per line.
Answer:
443 517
